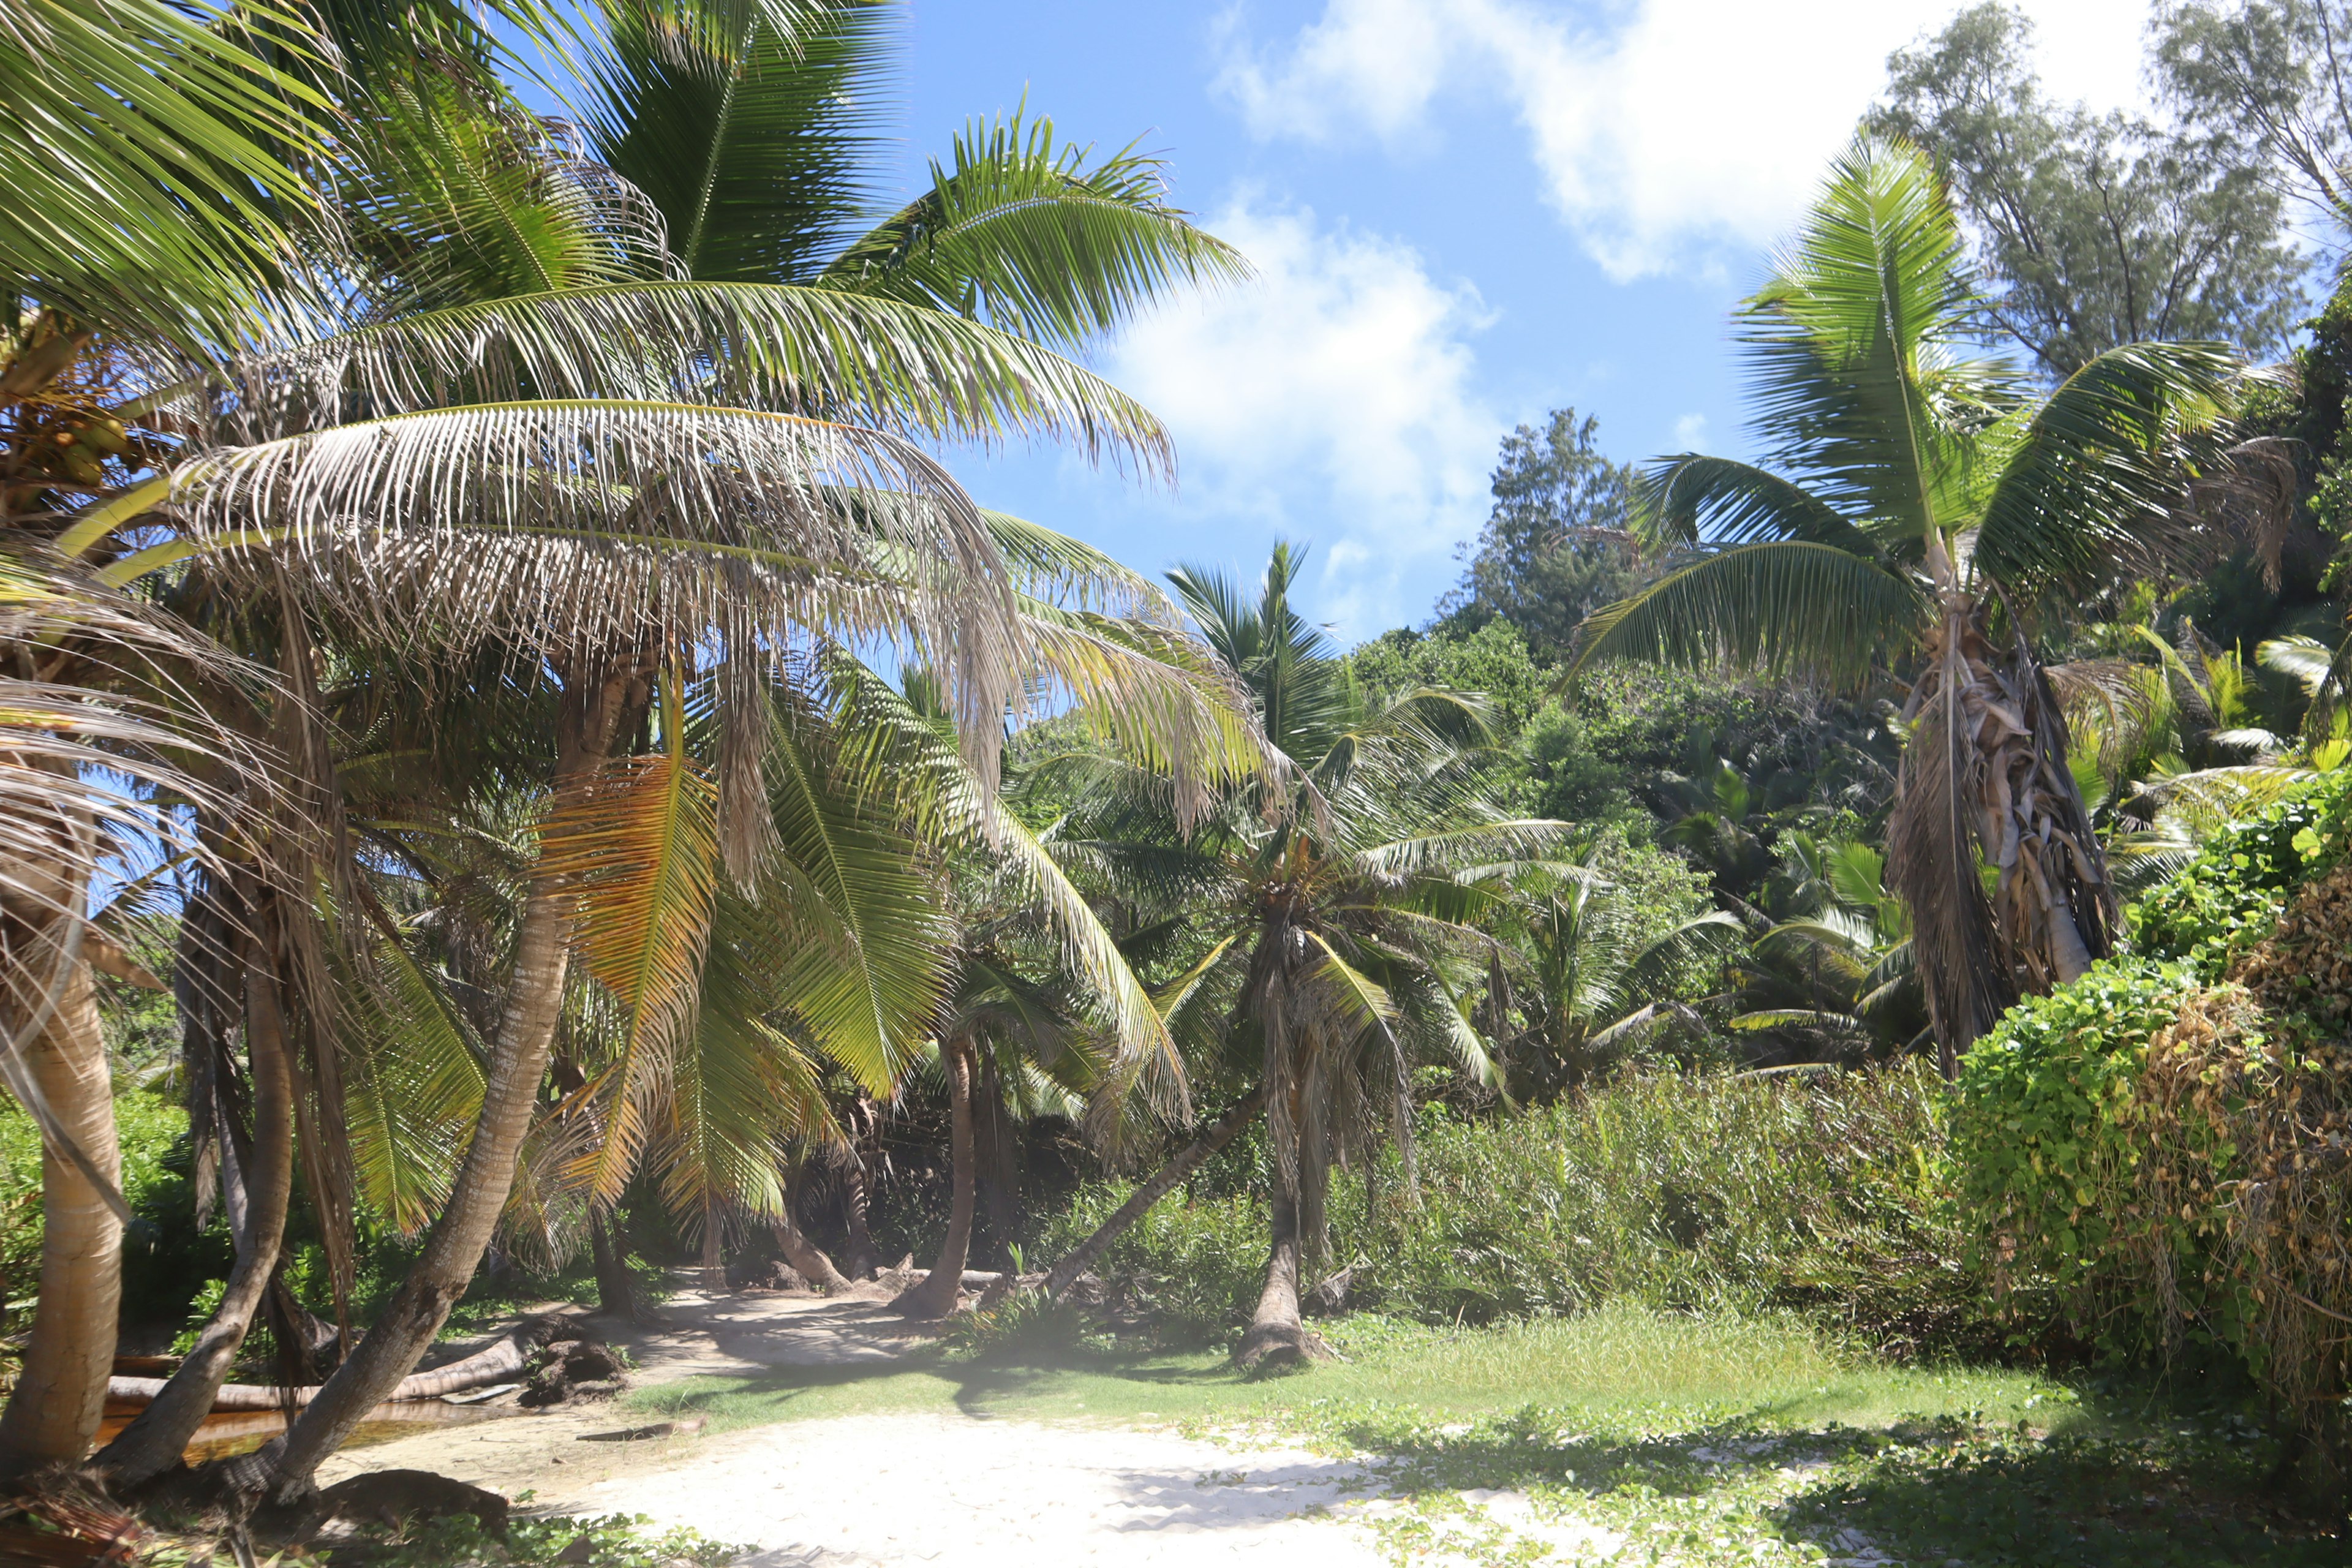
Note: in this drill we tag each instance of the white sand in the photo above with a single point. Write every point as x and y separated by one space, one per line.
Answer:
889 1489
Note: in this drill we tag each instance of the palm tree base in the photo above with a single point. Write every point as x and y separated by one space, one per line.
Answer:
1279 1346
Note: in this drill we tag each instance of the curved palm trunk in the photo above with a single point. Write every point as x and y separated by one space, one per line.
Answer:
807 1259
1985 782
1084 1256
518 1060
1276 1333
153 1442
614 1291
937 1296
60 1394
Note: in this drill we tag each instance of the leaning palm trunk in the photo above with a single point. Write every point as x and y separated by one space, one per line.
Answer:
60 1394
937 1296
1082 1257
153 1442
519 1061
1985 782
807 1259
1277 1331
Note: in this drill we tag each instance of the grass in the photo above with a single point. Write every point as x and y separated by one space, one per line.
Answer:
1691 1440
1619 1363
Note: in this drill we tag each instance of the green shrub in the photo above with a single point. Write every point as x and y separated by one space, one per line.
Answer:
165 1259
1825 1191
2229 897
1686 1190
2044 1145
1193 1267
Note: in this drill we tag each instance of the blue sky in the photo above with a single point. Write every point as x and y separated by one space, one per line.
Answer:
1462 212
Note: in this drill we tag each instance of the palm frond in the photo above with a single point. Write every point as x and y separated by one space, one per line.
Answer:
1782 607
145 147
1021 233
749 122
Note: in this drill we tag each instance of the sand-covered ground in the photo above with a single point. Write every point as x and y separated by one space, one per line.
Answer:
894 1489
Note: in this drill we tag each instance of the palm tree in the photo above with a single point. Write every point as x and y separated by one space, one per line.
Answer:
148 150
1587 985
1339 894
1913 506
622 461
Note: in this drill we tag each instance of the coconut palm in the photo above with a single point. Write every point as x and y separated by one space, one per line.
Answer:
1339 897
592 439
154 207
1916 508
1574 964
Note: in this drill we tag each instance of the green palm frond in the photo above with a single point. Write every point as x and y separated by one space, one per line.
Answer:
144 148
413 1083
1782 607
1850 345
871 964
749 122
1688 500
943 786
1026 235
2093 482
454 193
740 1084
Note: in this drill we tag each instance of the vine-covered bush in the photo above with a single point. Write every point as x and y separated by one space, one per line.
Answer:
2165 1156
2231 895
2046 1147
1828 1193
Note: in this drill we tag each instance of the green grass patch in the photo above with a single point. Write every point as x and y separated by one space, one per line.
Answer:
1697 1439
1620 1362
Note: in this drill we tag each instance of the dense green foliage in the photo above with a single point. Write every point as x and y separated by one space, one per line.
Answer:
2229 897
2042 1144
1684 1191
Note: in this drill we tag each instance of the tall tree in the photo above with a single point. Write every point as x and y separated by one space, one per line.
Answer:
1913 503
1336 894
2270 77
2098 230
1556 547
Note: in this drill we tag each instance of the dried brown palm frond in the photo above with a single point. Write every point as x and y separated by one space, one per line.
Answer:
1985 785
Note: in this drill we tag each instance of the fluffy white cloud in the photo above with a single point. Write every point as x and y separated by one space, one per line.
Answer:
1663 128
1335 388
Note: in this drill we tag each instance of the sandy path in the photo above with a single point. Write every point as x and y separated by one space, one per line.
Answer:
889 1489
850 1491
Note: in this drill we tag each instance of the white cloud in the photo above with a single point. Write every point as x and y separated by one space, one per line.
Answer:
1690 433
1337 388
1663 128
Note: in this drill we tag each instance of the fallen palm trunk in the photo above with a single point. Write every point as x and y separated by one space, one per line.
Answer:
1082 1257
499 1363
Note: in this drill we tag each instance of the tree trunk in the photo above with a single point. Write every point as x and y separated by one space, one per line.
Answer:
1985 782
806 1256
1000 1163
519 1060
937 1296
1082 1257
714 1267
615 1293
858 1194
60 1394
154 1441
1277 1335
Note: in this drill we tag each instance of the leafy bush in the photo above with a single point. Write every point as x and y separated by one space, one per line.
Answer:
1684 1191
2229 897
2044 1147
165 1259
1193 1267
1690 1191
